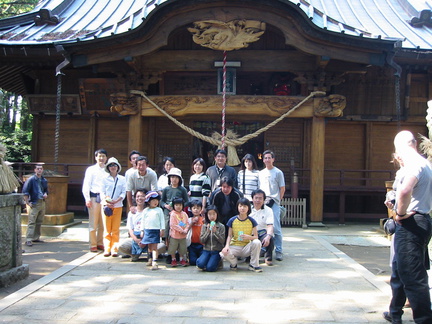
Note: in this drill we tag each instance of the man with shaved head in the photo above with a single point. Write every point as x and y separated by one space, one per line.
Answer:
409 277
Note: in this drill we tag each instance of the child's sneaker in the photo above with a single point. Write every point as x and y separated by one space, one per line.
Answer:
154 266
256 269
200 269
149 262
233 268
184 263
174 263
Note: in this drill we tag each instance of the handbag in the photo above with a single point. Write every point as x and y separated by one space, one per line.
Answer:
390 226
107 210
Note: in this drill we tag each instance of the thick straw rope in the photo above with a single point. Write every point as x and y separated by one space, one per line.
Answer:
228 141
8 180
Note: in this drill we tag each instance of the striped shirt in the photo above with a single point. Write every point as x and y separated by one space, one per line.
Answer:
250 183
199 186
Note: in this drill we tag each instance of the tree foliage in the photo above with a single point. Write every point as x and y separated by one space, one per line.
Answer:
15 127
9 8
15 120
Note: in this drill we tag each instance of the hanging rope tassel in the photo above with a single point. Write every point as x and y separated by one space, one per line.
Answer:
223 132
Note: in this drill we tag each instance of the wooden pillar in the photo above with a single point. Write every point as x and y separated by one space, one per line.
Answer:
135 127
317 171
92 140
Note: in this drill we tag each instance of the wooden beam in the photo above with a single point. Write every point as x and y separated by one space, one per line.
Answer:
271 106
251 60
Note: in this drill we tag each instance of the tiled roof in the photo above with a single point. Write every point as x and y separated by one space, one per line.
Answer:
69 21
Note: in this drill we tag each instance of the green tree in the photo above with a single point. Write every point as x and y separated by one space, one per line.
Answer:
15 120
9 8
15 127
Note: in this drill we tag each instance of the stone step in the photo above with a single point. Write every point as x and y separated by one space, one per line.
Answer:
52 219
52 230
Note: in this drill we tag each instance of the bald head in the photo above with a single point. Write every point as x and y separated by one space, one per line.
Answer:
403 140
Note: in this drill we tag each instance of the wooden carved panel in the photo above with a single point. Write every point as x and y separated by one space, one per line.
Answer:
47 104
95 93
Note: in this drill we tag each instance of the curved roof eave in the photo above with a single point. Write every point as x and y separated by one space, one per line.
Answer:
82 21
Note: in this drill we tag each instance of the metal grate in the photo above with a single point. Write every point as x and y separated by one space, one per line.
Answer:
295 212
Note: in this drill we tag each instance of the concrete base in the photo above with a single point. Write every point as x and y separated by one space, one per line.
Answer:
51 230
316 224
53 225
13 275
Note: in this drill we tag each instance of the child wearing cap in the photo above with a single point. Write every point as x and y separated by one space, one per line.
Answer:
174 190
154 227
113 192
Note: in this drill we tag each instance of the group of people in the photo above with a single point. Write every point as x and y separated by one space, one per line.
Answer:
222 214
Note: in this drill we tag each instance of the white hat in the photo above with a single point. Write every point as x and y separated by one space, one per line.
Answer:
175 172
110 161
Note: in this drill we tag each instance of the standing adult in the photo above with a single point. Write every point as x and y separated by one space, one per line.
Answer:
35 192
199 183
142 178
248 177
221 169
409 277
133 156
225 198
263 215
168 164
91 189
272 182
113 193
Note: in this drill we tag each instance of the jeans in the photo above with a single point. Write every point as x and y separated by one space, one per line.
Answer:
195 251
409 277
277 228
209 260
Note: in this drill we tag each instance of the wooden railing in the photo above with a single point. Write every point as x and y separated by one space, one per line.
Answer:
339 183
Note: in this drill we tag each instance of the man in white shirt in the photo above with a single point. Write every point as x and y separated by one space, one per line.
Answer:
264 217
272 182
91 189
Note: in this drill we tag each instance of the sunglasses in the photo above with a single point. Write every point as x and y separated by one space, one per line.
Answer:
111 165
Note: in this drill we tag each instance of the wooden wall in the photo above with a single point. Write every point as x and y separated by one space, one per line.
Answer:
362 146
171 140
75 145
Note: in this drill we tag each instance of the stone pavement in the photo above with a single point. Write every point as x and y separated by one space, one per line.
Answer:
315 283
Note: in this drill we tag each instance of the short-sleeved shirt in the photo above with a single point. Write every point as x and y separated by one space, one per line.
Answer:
147 182
240 227
271 181
421 199
134 221
263 217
